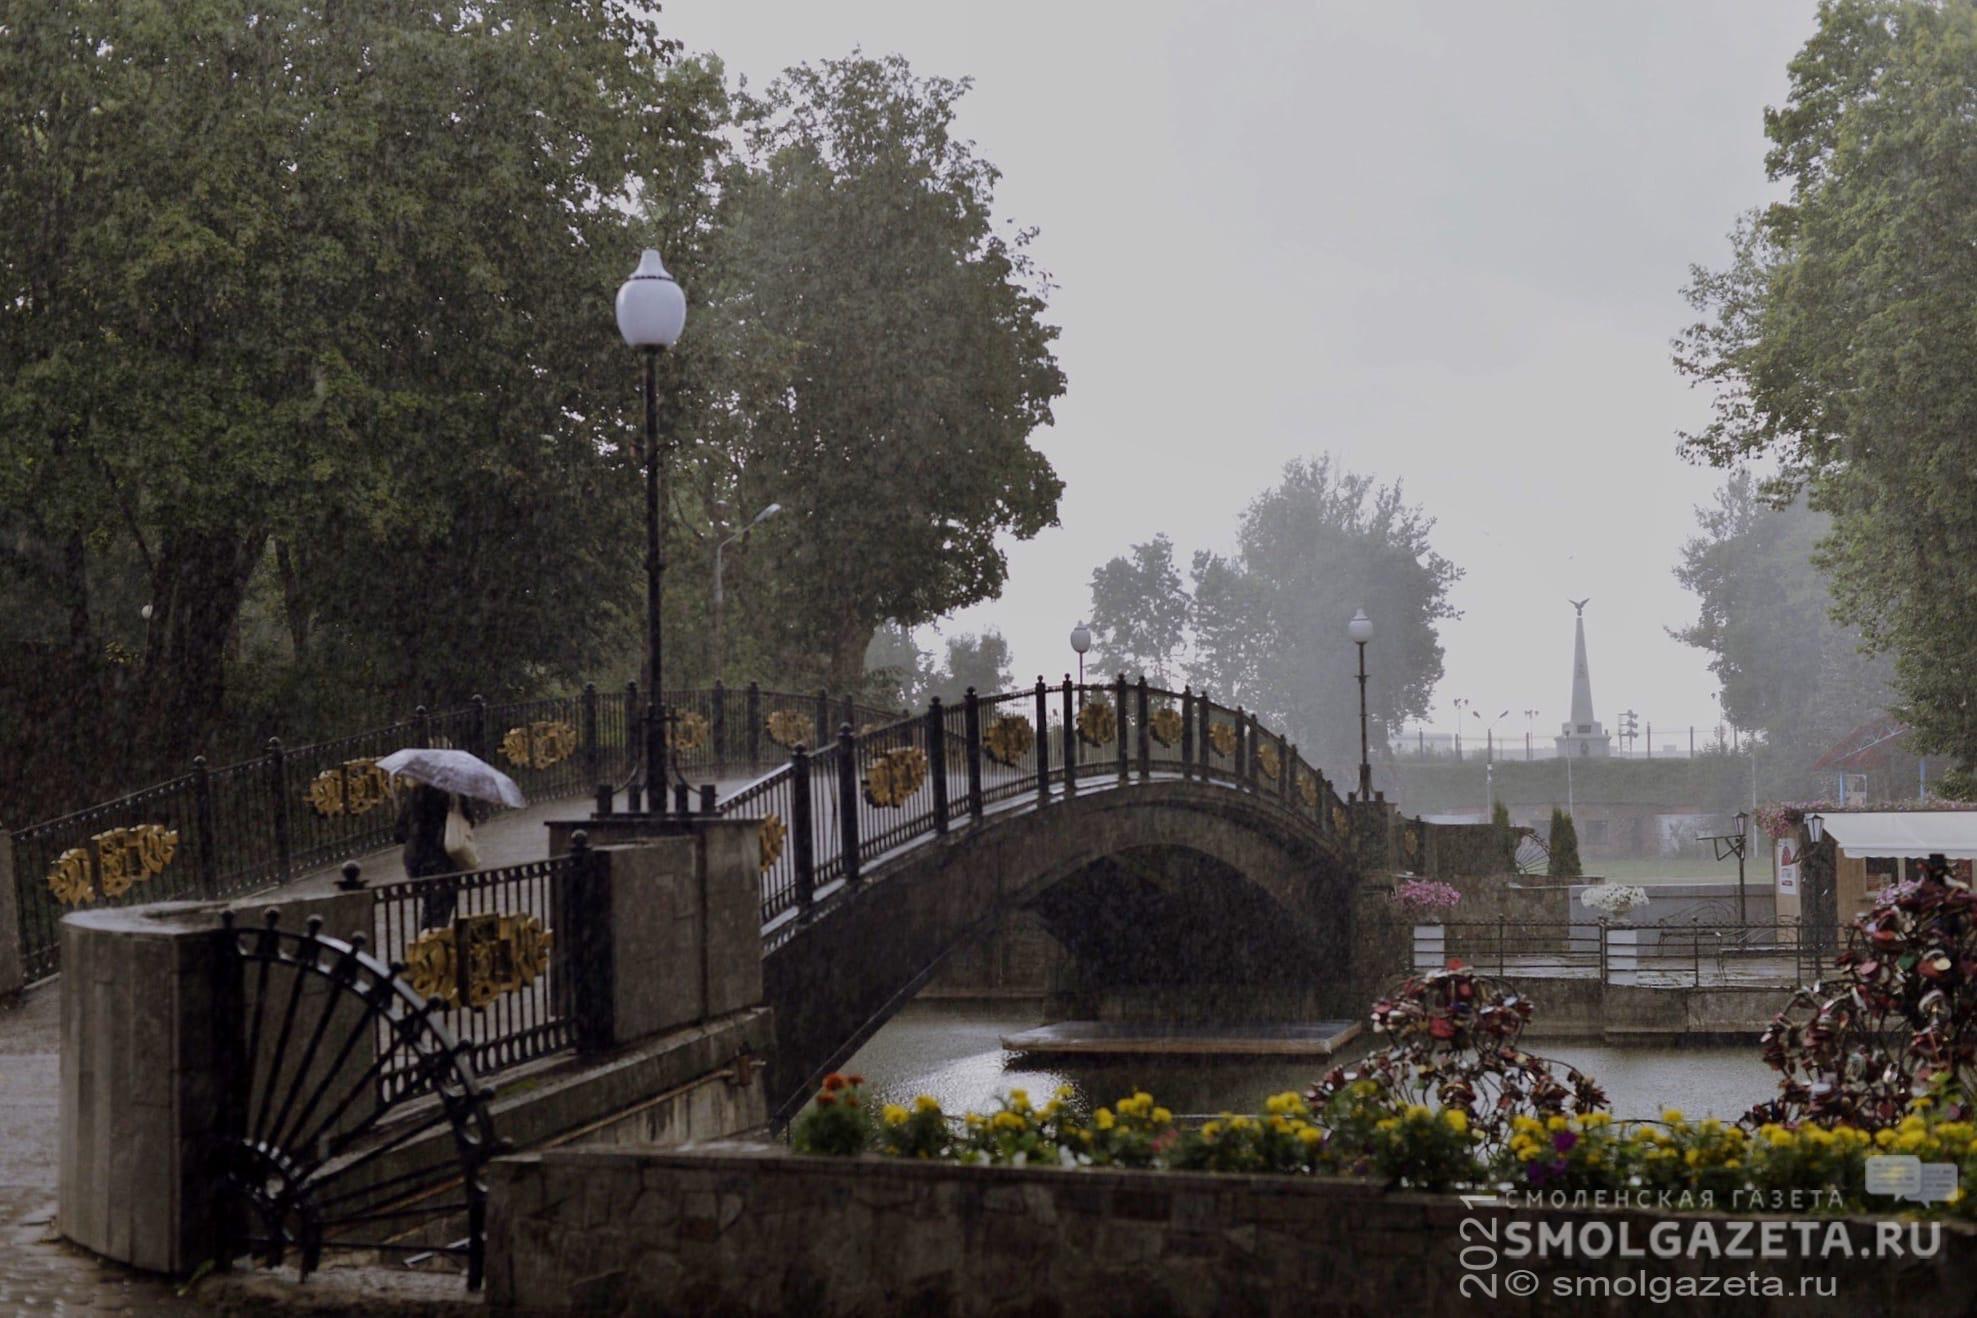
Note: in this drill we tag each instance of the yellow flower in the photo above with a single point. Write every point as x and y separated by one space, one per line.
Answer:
1019 1099
1457 1119
1387 1123
1672 1115
1594 1120
1285 1104
1066 1093
894 1114
1556 1123
926 1103
1310 1135
1211 1130
1103 1118
975 1119
1417 1112
1162 1117
1008 1121
1884 1137
1052 1108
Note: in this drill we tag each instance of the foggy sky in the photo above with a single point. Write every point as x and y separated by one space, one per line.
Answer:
1443 240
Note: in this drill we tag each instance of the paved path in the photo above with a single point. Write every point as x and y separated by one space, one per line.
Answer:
41 1273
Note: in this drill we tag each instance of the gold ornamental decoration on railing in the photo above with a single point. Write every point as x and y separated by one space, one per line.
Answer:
788 728
1097 724
770 835
354 787
1307 790
1165 725
122 856
539 745
1008 740
503 953
690 731
892 778
1222 737
1269 762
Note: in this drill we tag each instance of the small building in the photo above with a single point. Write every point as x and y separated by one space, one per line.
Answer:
1860 852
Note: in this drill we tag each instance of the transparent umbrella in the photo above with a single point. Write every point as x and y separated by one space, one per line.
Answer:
454 771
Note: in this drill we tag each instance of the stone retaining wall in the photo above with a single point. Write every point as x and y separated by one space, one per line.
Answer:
739 1229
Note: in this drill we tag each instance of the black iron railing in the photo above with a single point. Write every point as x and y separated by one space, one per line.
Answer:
497 947
218 832
832 811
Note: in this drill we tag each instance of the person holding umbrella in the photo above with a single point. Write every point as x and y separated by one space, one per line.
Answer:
436 822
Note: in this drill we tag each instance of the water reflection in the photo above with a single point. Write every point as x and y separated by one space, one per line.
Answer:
954 1052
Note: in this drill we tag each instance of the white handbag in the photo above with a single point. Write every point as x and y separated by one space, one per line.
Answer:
459 843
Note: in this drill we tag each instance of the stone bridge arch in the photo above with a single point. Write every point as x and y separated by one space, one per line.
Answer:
836 981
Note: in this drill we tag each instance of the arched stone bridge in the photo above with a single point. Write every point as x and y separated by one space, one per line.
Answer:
1186 848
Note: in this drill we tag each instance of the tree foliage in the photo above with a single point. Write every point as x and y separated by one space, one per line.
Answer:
1841 341
306 344
873 357
1270 621
313 292
1788 669
1139 615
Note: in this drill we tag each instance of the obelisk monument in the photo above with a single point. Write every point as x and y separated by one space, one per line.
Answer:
1583 736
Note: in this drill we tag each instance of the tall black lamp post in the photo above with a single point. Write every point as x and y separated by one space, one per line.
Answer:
651 314
1360 629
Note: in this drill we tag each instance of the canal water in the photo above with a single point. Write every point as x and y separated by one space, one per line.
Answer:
954 1052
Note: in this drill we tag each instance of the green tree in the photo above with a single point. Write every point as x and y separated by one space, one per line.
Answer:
1270 623
1841 341
1564 847
1787 668
1139 615
313 293
978 661
874 358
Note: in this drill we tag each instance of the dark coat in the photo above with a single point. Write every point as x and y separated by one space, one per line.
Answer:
422 828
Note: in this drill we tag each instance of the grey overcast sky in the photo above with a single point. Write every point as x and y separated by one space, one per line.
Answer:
1444 240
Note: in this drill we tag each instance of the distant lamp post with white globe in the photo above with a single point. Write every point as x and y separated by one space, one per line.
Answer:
1081 642
1360 629
651 315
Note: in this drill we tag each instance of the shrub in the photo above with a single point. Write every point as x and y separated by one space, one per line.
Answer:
1898 1017
1283 1140
1504 836
1455 1045
1564 846
920 1131
837 1121
1419 1148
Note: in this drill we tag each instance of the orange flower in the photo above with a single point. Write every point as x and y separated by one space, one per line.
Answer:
825 1100
833 1082
854 1079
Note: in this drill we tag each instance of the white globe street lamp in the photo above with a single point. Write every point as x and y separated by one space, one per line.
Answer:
651 316
1360 630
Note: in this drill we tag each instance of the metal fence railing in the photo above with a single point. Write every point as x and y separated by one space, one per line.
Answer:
519 916
1691 953
290 811
830 812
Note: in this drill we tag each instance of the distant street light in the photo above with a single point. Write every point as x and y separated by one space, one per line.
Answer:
1489 734
1081 642
720 598
1529 716
1360 629
651 316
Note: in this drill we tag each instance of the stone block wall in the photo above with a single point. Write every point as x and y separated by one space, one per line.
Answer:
738 1229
